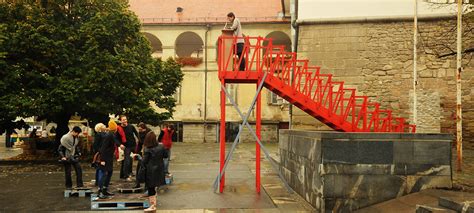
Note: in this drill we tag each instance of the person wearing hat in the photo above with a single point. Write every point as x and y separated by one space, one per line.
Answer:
70 152
106 152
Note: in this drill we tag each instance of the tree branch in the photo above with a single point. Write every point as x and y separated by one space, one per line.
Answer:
469 50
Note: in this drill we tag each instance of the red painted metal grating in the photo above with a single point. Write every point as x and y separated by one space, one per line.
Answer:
312 91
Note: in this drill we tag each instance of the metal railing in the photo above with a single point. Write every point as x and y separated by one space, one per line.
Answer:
167 20
306 87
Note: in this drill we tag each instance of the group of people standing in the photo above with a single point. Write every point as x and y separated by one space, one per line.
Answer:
153 157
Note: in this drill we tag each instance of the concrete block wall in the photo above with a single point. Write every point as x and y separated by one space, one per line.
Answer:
193 133
269 133
347 171
211 133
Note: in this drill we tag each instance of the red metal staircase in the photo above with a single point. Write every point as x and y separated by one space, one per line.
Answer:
306 87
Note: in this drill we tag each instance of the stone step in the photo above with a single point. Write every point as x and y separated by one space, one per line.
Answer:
459 204
431 209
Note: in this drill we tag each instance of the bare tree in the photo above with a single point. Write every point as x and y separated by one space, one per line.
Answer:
444 44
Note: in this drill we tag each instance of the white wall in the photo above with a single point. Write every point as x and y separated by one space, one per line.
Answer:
330 9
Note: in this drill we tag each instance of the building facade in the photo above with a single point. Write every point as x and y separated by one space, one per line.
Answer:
368 45
188 31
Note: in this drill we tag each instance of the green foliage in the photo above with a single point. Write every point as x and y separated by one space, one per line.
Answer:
84 57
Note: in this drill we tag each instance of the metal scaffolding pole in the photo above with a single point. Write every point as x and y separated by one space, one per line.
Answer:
415 75
246 123
458 89
244 120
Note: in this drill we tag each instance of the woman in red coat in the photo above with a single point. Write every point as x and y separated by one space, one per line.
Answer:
165 138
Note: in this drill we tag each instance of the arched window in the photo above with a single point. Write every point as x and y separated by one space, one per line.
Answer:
279 38
156 46
189 44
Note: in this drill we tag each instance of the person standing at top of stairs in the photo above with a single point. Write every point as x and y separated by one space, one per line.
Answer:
237 28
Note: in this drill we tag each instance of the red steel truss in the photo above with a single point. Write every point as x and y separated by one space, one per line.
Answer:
302 85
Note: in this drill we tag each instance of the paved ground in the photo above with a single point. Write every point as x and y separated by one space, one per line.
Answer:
39 187
464 179
6 153
408 203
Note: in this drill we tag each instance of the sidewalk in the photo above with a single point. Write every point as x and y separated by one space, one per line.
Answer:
8 152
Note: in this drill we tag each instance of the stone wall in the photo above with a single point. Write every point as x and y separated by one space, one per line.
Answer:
342 172
193 132
269 133
376 58
211 133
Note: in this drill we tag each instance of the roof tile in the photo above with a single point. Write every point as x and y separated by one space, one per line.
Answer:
198 11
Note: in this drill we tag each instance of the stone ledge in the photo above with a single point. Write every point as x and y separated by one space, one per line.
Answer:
386 169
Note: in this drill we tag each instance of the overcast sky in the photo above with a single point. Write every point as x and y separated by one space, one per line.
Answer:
320 9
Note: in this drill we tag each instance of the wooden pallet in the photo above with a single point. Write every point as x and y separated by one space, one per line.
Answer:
79 192
130 190
118 203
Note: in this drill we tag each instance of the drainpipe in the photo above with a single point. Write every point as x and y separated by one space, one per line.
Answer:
294 48
208 27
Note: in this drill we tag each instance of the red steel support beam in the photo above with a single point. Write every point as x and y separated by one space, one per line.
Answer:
222 139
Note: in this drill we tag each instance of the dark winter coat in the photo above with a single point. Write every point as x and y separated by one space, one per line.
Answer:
107 151
98 139
142 135
153 162
130 133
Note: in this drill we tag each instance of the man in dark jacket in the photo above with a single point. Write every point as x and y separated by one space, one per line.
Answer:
143 130
70 152
128 147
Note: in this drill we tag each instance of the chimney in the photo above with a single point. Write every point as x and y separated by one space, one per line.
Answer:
179 13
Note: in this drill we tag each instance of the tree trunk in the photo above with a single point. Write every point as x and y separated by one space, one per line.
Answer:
62 128
8 139
98 118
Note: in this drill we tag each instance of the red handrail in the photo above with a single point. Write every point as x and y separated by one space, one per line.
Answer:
305 86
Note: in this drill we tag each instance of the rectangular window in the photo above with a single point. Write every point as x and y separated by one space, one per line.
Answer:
274 99
177 95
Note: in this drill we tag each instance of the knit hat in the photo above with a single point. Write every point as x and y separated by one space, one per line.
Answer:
112 125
